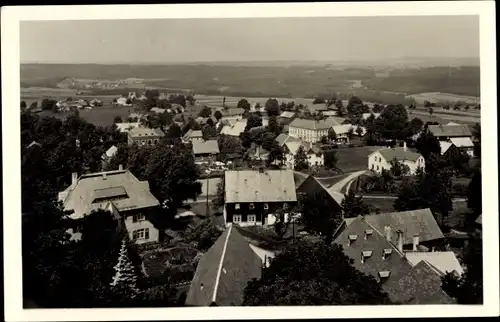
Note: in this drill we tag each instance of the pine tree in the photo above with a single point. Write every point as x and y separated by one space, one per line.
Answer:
125 279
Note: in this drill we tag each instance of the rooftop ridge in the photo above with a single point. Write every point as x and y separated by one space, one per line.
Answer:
214 296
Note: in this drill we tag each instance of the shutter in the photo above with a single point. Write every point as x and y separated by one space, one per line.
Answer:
146 233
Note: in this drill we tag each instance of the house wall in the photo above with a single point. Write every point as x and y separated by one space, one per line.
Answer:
204 158
307 135
376 162
131 226
144 140
262 216
312 160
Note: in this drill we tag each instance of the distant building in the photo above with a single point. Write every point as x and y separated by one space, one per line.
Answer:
252 197
382 158
366 116
144 136
314 155
457 134
445 262
192 136
224 271
108 155
118 192
157 110
310 130
342 132
126 127
205 151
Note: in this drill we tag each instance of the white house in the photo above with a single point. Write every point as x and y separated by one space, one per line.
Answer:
310 130
382 158
315 156
342 132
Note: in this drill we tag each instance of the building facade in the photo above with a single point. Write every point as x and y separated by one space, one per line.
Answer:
254 197
144 136
382 158
309 130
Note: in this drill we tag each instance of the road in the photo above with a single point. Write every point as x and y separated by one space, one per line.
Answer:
335 190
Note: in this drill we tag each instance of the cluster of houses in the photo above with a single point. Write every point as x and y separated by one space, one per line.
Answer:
101 84
69 105
406 252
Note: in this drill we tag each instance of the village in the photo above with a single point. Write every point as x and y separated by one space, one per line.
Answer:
225 204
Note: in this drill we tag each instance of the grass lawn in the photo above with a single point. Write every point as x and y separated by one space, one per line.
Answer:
354 159
100 116
176 264
384 205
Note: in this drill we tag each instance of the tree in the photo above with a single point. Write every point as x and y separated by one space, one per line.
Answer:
280 226
23 105
48 104
399 169
359 131
431 110
468 288
209 132
393 122
190 99
354 206
219 200
205 112
117 119
428 144
414 126
474 193
377 108
339 105
273 126
203 234
125 279
300 159
330 159
243 103
152 93
318 216
218 115
253 121
426 190
324 277
272 107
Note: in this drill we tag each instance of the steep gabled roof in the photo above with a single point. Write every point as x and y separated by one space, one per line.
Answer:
419 222
422 285
462 142
224 271
284 138
398 153
460 130
312 124
256 186
442 261
205 147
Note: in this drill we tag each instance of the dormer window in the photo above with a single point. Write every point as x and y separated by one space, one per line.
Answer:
285 205
351 239
365 255
266 206
251 206
368 232
386 253
383 275
237 206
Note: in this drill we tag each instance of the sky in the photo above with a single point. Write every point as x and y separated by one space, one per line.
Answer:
249 39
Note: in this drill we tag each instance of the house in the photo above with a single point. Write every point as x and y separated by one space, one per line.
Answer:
193 135
123 101
418 229
465 145
344 131
157 110
444 262
314 155
366 116
205 151
238 127
118 192
224 271
382 158
284 138
336 120
309 130
382 257
286 117
252 197
144 136
108 155
125 127
445 132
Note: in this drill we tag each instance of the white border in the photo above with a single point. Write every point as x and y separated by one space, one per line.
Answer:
10 17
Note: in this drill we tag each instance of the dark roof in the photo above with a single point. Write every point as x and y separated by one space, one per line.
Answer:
414 222
459 130
313 124
422 285
394 263
299 178
224 271
399 154
312 187
284 138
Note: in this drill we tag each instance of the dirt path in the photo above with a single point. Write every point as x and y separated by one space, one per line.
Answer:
335 190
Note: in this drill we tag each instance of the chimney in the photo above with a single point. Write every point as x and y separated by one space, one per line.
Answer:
404 146
415 242
400 240
387 231
74 178
120 167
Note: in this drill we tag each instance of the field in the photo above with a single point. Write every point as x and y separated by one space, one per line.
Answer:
444 118
100 116
354 159
268 81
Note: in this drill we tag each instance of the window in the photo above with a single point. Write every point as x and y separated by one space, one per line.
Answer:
237 206
149 142
377 168
266 206
139 217
251 206
251 218
156 141
236 218
141 234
